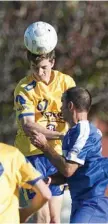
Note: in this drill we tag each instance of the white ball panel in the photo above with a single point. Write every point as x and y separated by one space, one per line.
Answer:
40 37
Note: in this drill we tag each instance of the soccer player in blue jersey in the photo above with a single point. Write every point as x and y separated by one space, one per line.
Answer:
82 163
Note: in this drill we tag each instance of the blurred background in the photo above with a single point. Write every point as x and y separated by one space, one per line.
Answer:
81 52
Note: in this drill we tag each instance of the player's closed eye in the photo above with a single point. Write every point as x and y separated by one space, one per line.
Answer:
44 67
36 68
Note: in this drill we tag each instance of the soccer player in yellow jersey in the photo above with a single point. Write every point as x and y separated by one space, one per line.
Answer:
15 172
37 101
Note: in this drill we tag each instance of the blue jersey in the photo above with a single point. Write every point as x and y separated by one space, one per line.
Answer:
82 144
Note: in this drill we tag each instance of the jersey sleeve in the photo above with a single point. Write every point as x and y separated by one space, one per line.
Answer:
74 145
23 103
69 82
27 175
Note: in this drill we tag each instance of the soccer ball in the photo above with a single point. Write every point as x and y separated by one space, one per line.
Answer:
40 38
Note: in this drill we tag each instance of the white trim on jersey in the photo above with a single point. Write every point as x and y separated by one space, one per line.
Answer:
79 144
73 157
83 136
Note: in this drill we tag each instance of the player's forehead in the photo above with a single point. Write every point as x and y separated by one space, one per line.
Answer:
42 62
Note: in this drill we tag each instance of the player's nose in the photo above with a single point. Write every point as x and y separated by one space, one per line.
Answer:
40 71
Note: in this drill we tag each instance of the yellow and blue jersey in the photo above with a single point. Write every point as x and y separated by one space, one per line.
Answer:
15 171
35 98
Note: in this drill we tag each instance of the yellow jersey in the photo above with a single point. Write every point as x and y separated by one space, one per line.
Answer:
35 98
15 171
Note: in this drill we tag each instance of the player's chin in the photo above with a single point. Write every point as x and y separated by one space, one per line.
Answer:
43 79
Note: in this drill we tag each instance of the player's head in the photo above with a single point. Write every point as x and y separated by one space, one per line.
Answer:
76 103
41 65
40 39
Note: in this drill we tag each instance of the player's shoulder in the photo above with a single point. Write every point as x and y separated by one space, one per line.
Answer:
89 131
62 75
65 79
24 82
8 150
82 128
96 132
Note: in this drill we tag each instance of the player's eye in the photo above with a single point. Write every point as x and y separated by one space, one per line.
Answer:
44 67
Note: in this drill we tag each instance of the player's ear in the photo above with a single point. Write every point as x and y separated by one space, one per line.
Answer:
52 63
70 106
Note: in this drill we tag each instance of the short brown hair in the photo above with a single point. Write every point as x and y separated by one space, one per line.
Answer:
80 97
37 58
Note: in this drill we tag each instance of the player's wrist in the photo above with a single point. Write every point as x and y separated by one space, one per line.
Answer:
46 147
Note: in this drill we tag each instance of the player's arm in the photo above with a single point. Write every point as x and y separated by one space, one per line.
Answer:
69 82
30 127
25 113
74 155
66 167
43 194
58 179
28 177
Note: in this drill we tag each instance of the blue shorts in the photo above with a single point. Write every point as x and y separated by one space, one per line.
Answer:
44 166
94 210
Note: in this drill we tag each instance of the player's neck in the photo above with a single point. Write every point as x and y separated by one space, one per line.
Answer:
80 116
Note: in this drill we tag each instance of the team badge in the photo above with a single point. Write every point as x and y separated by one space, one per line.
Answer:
42 105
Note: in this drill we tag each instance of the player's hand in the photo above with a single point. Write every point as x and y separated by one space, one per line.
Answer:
39 140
